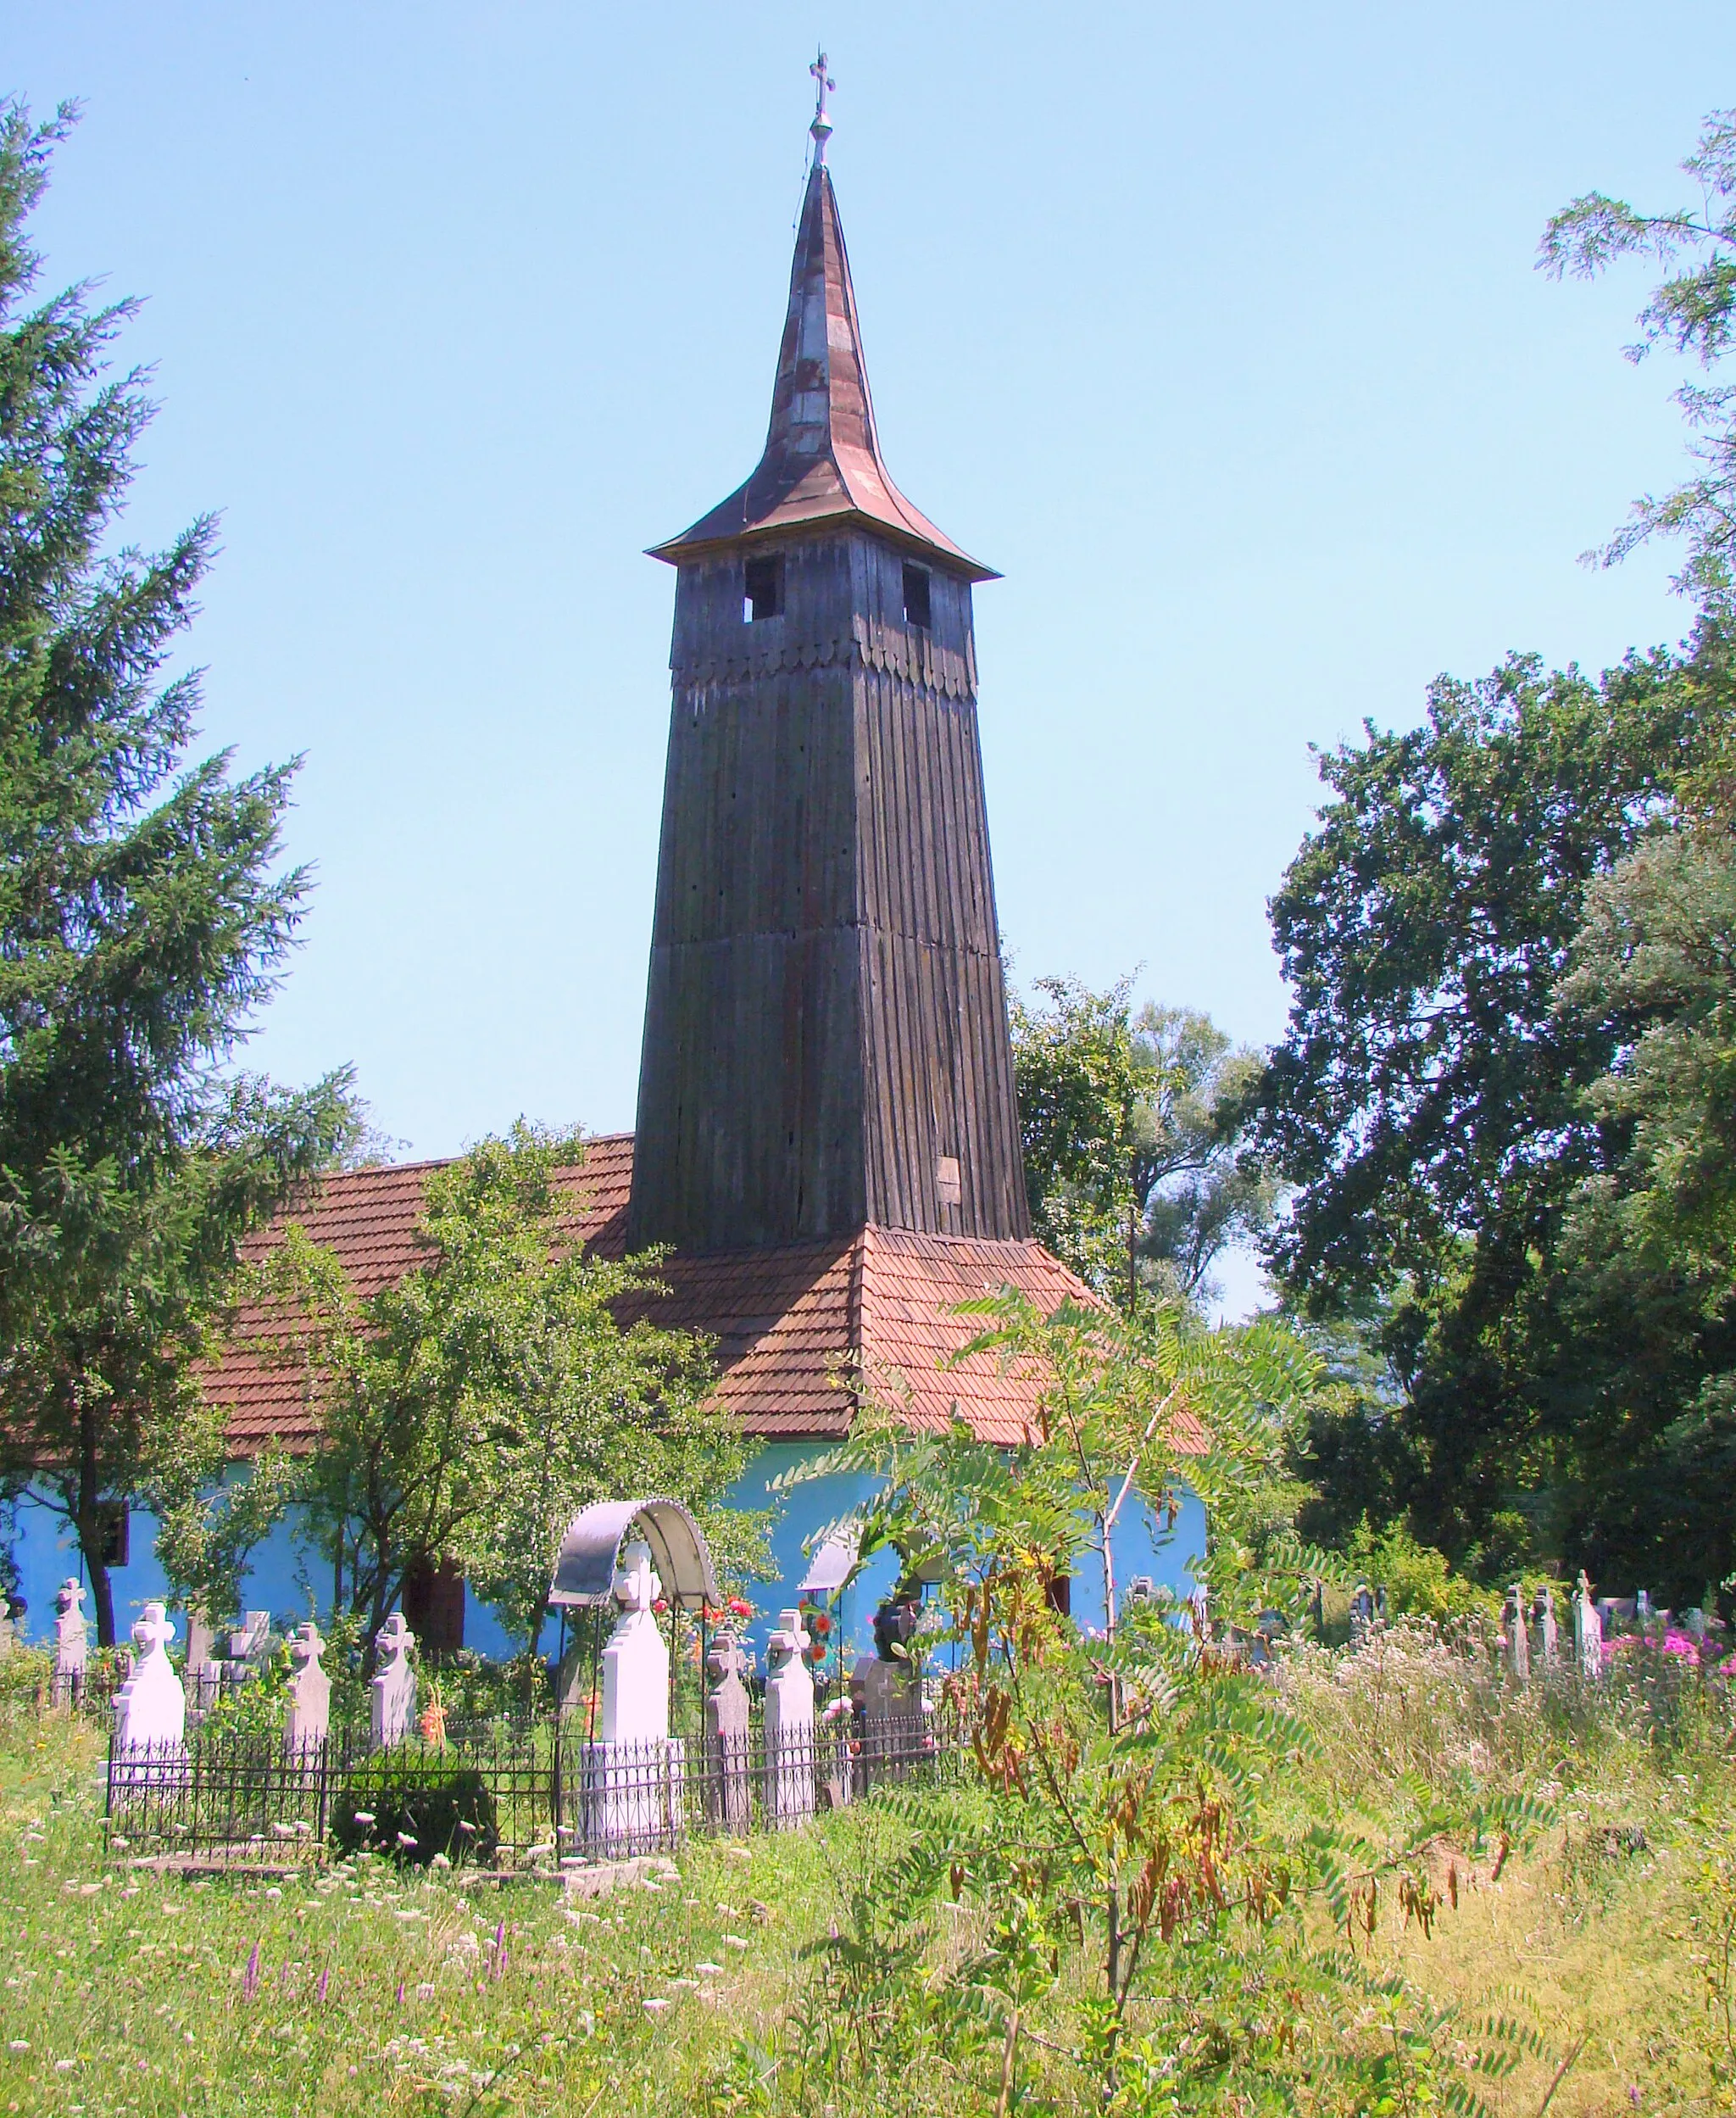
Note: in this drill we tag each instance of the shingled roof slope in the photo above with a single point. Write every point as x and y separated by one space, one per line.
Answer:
793 1326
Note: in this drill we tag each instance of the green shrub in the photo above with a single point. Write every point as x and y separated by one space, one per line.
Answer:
1418 1582
413 1804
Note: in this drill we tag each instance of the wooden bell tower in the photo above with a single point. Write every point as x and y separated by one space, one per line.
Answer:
826 1041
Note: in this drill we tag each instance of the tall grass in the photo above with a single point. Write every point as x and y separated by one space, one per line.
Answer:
374 1990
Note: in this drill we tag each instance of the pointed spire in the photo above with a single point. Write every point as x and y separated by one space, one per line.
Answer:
822 458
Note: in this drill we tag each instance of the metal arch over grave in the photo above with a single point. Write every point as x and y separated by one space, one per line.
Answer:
584 1568
590 1552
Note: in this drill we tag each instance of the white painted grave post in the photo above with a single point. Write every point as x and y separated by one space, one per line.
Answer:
393 1710
1587 1631
308 1720
70 1642
1517 1654
789 1724
633 1774
150 1708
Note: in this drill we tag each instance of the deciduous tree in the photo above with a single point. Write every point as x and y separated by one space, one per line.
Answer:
473 1408
1135 1174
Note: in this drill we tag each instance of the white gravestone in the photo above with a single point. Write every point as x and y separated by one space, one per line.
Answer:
1518 1655
393 1716
69 1641
727 1736
1543 1617
308 1720
633 1774
789 1723
1587 1632
636 1661
150 1708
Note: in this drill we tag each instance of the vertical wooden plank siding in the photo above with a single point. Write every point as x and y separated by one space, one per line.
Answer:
825 1013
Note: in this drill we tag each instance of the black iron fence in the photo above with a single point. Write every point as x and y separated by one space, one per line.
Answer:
527 1793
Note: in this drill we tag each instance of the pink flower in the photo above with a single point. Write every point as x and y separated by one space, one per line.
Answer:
319 1991
250 1977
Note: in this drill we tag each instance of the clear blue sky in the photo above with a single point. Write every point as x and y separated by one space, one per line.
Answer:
1215 329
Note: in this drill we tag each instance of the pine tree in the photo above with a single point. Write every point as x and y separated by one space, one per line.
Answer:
143 921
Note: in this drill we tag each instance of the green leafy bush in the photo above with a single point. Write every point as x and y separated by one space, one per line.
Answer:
1418 1582
413 1804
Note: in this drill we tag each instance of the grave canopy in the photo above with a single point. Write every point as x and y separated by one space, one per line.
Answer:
584 1570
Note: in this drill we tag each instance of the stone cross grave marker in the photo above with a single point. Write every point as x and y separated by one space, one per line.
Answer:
1518 1655
633 1774
249 1646
307 1719
727 1734
1587 1631
69 1639
789 1723
150 1708
393 1707
636 1661
1543 1617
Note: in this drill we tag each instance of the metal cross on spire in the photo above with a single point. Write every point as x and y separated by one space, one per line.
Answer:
821 127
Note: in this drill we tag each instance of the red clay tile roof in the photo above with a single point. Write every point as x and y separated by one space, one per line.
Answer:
793 1325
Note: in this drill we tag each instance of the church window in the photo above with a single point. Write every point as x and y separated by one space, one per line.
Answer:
762 589
916 596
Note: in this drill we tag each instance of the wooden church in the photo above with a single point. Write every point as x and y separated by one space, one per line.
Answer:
827 1136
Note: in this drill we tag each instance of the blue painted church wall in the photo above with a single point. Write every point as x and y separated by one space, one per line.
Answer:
1143 1542
287 1578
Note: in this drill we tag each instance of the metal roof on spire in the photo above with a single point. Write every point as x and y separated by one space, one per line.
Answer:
822 460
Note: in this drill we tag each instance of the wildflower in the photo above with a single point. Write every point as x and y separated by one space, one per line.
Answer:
654 2005
366 1817
440 1860
710 1970
20 2044
400 1993
250 1977
319 1991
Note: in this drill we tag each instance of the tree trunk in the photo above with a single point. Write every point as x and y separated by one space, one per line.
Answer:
90 1526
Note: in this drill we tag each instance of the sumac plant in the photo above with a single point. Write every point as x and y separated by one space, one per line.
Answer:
1129 1791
